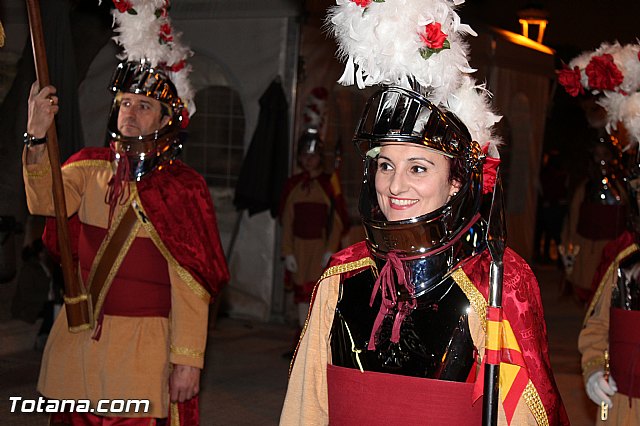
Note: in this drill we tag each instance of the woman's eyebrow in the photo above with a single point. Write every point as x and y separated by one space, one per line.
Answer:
422 159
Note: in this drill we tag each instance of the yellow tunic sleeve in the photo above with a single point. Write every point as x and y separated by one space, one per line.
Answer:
188 323
306 402
38 184
594 336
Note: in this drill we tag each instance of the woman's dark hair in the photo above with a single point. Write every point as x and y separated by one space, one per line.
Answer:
457 170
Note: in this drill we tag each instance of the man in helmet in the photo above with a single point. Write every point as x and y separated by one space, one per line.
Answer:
314 218
144 231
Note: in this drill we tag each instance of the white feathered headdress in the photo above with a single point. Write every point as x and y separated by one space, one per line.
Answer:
612 72
145 32
418 45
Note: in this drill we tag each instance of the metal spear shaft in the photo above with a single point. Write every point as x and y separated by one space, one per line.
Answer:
496 241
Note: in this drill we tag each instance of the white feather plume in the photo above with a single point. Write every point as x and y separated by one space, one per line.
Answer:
471 102
381 44
139 35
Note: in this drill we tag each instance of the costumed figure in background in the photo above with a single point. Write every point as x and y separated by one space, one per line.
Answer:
397 325
609 341
144 233
313 212
601 195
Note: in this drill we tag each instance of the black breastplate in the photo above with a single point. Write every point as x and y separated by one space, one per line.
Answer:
435 341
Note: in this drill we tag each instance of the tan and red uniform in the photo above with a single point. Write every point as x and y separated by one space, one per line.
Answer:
595 336
314 218
528 392
153 311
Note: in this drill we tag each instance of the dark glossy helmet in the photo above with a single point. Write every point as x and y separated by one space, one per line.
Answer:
145 153
310 142
436 241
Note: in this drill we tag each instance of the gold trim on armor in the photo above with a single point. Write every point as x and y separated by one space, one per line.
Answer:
40 172
334 270
184 275
74 300
480 305
476 299
532 398
348 267
179 350
605 279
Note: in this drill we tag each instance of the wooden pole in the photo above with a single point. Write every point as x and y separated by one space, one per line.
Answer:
77 303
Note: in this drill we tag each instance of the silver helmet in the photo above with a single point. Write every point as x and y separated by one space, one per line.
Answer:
145 153
434 243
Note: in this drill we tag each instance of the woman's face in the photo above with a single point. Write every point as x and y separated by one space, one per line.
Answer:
412 181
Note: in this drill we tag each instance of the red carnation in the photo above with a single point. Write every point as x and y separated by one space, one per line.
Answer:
433 37
177 66
122 5
185 118
489 171
603 73
362 3
165 33
570 80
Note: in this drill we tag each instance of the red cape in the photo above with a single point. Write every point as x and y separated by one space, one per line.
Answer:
178 203
522 307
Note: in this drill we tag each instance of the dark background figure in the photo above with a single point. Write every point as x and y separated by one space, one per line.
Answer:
552 206
39 290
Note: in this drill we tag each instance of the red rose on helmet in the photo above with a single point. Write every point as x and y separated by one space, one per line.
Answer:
122 5
165 33
603 73
433 37
489 171
185 118
362 3
570 80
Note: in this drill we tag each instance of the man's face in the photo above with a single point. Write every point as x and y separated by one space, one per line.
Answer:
140 115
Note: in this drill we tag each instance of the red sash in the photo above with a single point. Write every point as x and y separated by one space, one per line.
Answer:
141 288
387 399
624 346
310 220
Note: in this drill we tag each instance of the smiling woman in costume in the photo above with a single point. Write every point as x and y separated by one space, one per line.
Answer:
396 332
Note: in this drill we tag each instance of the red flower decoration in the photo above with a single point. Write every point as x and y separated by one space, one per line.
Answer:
185 118
433 37
177 66
489 171
165 33
570 80
603 73
122 5
362 3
